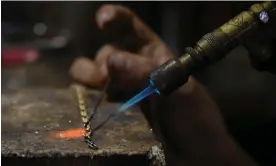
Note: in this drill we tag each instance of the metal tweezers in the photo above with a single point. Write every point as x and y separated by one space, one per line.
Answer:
95 110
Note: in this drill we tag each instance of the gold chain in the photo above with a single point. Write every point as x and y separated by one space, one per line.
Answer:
83 112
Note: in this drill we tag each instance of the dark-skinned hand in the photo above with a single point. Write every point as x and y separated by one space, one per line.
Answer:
188 122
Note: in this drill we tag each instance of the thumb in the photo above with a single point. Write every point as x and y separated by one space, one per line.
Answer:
128 68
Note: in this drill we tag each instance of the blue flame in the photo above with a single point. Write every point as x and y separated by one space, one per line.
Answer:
139 97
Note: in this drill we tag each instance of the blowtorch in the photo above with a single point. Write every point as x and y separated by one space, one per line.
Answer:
211 48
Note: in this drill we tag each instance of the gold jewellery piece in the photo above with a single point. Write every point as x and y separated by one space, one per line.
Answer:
82 104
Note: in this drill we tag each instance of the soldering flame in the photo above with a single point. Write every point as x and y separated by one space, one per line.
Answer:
74 133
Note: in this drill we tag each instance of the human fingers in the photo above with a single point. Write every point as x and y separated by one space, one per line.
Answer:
86 71
129 69
123 28
92 73
123 67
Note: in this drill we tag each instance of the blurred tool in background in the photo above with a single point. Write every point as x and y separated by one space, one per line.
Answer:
18 56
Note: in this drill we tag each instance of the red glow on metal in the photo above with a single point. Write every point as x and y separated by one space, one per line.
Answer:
69 134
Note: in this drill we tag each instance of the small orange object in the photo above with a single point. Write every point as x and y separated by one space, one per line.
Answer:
69 134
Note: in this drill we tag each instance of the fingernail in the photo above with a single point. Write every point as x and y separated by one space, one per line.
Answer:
105 14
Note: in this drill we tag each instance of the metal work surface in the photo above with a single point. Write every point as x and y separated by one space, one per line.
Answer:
29 116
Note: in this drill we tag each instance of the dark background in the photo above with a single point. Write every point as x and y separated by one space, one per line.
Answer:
233 82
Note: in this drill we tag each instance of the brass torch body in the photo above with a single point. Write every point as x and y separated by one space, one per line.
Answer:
212 47
220 41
